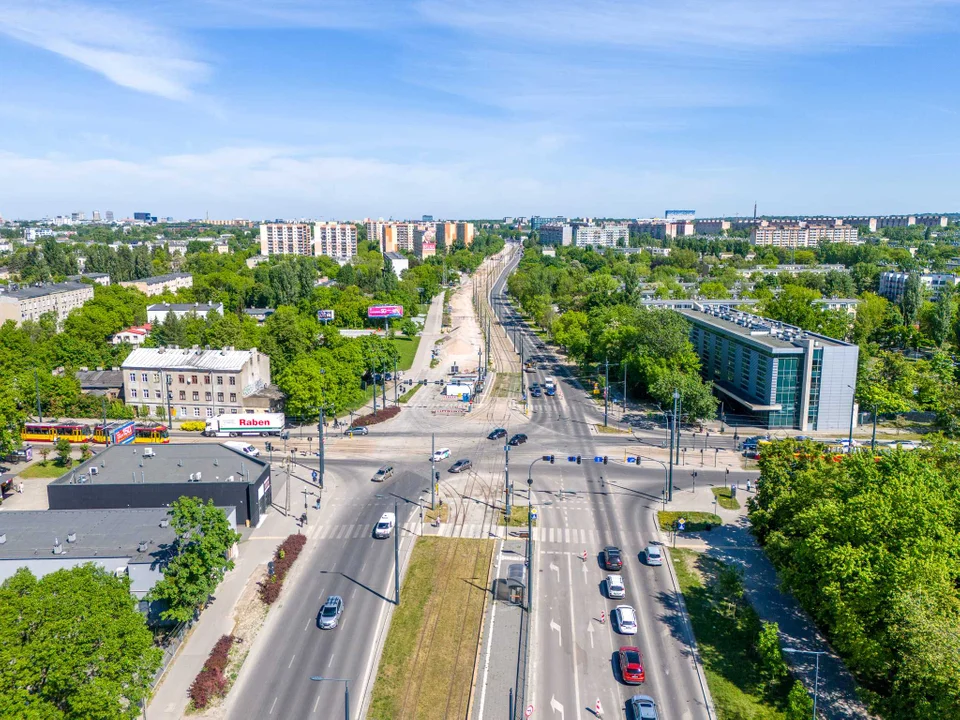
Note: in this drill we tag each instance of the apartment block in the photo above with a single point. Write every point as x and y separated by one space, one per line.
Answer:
465 233
197 383
710 227
537 222
425 241
158 313
556 235
286 239
29 303
794 235
159 284
774 375
892 283
603 235
376 230
336 240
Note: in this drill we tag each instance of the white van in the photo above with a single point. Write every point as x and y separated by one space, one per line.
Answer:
384 525
245 448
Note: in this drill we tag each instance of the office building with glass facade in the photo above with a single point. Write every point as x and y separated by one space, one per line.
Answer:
774 375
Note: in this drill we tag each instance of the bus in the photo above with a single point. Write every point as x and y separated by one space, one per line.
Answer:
51 432
152 433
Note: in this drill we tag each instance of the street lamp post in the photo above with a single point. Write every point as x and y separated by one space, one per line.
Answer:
530 530
816 676
346 692
666 477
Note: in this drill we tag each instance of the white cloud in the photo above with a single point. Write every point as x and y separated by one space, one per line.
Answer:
123 47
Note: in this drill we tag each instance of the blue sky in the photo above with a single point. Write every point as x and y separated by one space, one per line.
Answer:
478 108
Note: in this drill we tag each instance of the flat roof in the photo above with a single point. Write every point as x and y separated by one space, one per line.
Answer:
184 307
173 463
26 293
757 330
187 359
99 534
162 278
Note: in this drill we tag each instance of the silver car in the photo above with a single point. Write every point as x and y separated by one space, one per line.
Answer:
330 613
642 707
615 587
653 555
626 619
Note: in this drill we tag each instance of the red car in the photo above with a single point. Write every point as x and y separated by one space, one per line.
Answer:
631 666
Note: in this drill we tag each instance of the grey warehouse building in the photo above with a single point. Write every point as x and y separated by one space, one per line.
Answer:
154 476
772 374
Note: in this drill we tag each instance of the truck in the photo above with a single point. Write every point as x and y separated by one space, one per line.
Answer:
236 425
550 385
245 448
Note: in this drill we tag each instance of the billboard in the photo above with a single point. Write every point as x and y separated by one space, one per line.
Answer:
385 311
325 315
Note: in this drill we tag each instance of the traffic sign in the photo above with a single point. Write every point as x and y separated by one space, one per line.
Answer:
533 515
313 474
529 711
597 458
571 458
681 524
631 460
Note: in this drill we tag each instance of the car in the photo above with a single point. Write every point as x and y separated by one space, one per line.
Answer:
461 465
441 454
551 391
358 430
642 707
631 665
330 613
626 618
518 439
534 386
497 433
653 555
384 525
615 587
611 558
536 392
384 473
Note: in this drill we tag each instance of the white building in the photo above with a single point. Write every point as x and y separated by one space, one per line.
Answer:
603 235
892 284
398 262
336 240
286 239
29 303
794 235
201 383
158 313
132 335
159 284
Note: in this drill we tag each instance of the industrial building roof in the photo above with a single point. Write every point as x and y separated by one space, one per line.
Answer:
758 330
99 379
85 534
26 293
174 358
158 464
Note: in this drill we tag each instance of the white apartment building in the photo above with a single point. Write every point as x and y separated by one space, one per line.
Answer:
375 231
197 383
29 303
604 235
554 234
286 239
892 283
336 240
158 313
794 235
159 284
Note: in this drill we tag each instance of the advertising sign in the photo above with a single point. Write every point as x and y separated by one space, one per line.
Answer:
323 315
385 311
123 435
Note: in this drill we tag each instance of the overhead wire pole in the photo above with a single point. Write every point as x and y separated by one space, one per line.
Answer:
396 550
433 470
506 472
606 389
673 425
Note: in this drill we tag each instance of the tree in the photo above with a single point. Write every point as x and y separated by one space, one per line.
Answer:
799 704
62 446
714 290
942 317
73 647
409 328
772 667
794 306
199 557
912 299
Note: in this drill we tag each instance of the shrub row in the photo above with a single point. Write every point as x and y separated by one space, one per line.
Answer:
288 551
211 682
381 416
193 425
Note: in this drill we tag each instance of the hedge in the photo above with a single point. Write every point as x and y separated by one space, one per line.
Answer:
193 425
283 558
381 416
211 682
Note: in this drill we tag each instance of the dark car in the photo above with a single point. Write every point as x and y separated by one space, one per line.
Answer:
611 558
536 392
551 390
631 665
330 613
497 433
356 431
461 465
518 439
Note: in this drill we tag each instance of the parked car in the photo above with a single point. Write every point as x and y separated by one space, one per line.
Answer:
518 439
653 555
642 707
461 465
611 558
615 587
631 665
358 430
497 433
384 473
441 454
626 618
330 613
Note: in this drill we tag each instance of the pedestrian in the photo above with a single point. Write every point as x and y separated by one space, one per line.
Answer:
20 488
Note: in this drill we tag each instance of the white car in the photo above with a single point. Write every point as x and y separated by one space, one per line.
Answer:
626 619
441 454
615 587
653 555
385 525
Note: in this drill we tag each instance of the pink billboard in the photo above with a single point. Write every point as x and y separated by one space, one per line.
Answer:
385 311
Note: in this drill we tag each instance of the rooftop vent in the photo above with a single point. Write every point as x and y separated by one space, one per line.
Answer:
94 470
142 546
3 538
192 476
199 476
57 547
71 537
165 522
230 478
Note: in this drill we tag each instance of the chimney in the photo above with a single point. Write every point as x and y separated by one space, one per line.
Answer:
71 537
57 547
142 546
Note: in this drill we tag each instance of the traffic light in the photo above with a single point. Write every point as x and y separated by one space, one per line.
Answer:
604 459
578 460
548 457
269 446
436 476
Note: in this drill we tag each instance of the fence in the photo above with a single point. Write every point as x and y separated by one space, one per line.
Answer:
170 642
523 659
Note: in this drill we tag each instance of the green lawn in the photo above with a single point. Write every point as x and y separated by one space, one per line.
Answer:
726 642
46 469
694 520
518 517
410 393
408 350
724 500
428 659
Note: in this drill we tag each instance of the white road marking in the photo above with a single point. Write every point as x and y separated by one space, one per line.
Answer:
555 626
316 703
553 566
585 573
274 704
555 706
486 662
576 671
291 661
331 660
590 630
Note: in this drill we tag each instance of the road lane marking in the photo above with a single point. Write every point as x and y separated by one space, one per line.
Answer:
584 566
590 630
363 566
274 704
291 661
316 703
331 660
555 626
486 661
576 672
556 567
555 706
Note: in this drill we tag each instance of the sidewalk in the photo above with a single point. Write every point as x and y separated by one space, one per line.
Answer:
734 544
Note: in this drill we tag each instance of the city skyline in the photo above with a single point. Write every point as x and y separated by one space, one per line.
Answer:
370 109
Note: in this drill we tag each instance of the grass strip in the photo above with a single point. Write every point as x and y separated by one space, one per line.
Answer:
46 469
725 499
518 517
407 347
427 665
694 520
410 393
